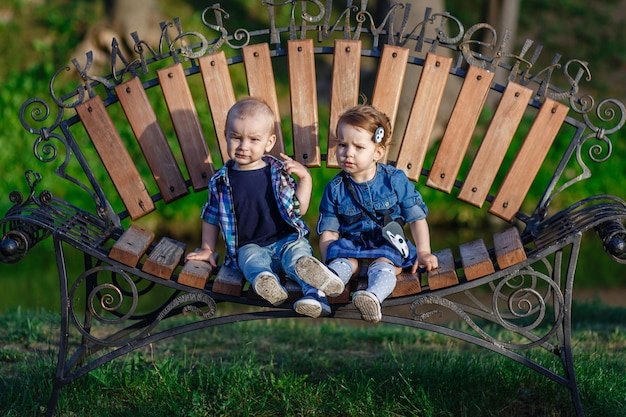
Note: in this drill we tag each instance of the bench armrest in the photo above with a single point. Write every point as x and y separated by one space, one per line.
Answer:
603 213
35 219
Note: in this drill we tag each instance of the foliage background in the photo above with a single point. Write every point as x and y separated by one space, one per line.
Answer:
40 36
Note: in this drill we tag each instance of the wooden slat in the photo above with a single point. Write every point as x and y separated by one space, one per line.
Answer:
495 144
115 157
164 258
407 284
526 165
344 92
195 274
421 121
509 248
445 275
220 94
475 260
229 282
260 76
303 90
151 139
460 128
342 298
389 82
132 245
187 125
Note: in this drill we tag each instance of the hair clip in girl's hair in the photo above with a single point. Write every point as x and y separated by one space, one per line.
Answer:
379 134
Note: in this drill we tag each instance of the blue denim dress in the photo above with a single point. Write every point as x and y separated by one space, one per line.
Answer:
391 193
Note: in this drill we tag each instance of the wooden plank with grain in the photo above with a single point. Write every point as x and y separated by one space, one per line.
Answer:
260 76
389 82
132 245
407 284
460 129
195 274
187 125
151 139
115 157
228 281
528 160
423 115
509 248
220 94
495 144
445 275
475 259
344 92
164 258
303 94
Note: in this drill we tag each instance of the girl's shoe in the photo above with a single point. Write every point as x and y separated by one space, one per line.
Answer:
316 274
368 305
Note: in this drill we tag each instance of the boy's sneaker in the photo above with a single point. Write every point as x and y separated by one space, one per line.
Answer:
316 274
312 305
268 287
368 305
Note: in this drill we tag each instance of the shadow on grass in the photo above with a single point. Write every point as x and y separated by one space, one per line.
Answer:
314 368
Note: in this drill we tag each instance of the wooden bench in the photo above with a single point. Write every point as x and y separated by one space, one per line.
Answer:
519 278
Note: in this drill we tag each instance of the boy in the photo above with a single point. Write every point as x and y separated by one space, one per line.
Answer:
255 202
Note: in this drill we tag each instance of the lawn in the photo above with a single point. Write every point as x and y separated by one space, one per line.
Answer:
314 368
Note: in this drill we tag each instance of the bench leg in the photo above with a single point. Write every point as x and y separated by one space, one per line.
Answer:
565 334
57 383
518 302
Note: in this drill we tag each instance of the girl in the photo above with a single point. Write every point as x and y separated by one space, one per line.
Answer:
356 210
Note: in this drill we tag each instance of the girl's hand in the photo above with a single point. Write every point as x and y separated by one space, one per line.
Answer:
426 260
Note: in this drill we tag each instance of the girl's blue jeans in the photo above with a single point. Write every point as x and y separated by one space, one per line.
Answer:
279 257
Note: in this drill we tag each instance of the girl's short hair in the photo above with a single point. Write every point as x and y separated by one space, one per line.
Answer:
251 107
370 119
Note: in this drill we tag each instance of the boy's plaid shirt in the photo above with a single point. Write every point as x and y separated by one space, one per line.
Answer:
219 209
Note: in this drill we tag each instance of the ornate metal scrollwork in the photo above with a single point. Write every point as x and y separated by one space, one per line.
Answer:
613 235
240 35
114 301
523 312
611 116
19 236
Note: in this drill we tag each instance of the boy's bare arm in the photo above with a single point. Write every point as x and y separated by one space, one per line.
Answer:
305 182
210 233
421 237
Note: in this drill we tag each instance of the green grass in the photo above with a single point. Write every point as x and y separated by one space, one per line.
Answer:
313 368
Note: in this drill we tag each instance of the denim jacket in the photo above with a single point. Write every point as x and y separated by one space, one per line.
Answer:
219 209
390 192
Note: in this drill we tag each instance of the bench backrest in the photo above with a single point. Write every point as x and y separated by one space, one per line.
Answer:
320 61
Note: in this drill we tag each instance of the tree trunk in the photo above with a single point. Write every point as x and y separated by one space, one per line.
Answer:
122 17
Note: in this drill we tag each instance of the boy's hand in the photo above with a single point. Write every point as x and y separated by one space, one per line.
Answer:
294 167
206 255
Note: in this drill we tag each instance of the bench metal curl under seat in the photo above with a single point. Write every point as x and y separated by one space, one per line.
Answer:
535 138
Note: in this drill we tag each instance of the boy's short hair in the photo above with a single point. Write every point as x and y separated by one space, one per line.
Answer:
368 118
251 107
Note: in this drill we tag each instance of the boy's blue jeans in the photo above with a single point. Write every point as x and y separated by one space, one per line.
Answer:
279 257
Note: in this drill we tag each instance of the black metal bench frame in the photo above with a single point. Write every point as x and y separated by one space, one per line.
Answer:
531 299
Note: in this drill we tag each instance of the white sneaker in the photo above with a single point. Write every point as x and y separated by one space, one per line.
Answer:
368 305
316 274
268 287
312 305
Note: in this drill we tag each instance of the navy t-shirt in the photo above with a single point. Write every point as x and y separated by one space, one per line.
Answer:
256 209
